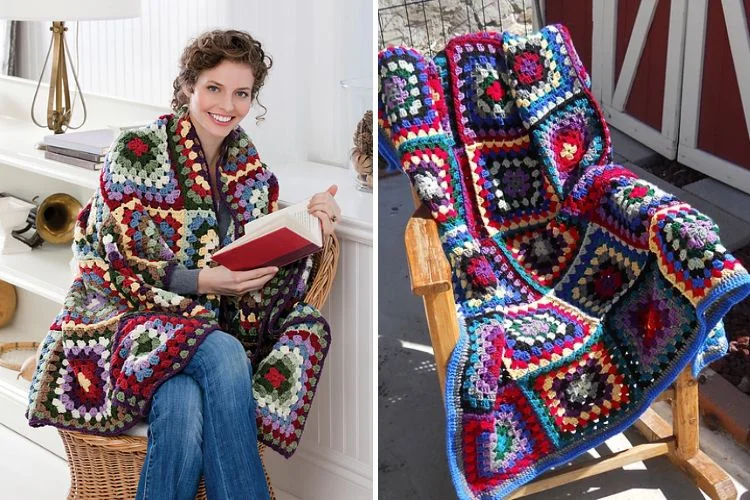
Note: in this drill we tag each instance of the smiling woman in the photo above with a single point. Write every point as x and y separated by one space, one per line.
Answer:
213 359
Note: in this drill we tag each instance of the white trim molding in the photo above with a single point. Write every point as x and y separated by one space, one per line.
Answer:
735 18
713 166
695 45
614 93
633 53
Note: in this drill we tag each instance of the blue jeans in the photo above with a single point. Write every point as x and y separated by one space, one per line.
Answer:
202 422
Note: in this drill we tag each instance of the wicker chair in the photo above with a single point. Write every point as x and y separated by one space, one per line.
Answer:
116 462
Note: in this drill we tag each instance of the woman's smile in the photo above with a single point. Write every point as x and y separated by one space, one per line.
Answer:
220 119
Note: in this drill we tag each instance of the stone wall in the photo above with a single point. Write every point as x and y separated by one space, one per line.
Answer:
427 24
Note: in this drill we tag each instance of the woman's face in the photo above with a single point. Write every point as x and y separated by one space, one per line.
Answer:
221 98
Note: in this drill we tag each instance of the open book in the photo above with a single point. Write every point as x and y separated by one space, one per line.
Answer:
276 239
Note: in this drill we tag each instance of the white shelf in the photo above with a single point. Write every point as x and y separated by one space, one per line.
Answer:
44 271
38 164
17 149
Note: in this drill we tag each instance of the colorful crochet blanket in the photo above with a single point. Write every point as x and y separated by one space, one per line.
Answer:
121 334
581 290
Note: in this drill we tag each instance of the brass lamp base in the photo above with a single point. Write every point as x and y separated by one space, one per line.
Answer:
58 105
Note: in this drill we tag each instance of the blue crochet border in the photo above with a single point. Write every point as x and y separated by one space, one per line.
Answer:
727 293
388 152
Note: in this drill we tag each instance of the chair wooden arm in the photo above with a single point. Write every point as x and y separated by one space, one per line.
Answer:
428 267
430 276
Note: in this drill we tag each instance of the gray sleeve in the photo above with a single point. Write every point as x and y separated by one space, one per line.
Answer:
183 281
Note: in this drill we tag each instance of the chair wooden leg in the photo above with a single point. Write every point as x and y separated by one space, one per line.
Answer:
703 471
700 467
685 415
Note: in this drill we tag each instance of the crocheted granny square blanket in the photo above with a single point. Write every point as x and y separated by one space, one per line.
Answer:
121 333
581 290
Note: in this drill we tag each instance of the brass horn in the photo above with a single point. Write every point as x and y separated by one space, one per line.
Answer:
54 221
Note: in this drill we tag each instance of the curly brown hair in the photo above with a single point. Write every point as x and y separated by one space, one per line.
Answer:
209 50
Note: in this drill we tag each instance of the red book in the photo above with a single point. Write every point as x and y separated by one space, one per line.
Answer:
277 239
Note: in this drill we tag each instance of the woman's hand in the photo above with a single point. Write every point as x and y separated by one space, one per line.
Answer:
325 208
221 281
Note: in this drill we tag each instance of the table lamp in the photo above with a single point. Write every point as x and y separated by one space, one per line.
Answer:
57 11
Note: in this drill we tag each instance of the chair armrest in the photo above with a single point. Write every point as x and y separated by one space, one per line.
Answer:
431 278
428 268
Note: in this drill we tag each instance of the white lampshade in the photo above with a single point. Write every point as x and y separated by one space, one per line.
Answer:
68 10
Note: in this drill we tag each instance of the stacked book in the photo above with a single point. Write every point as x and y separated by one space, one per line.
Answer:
82 149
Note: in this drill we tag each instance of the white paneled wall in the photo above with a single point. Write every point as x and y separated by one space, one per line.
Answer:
334 460
349 308
315 46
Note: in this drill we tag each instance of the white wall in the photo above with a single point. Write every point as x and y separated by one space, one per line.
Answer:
342 52
314 45
5 39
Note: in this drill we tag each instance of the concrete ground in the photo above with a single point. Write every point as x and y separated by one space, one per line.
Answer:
411 431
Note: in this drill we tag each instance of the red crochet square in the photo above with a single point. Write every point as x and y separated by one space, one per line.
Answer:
503 443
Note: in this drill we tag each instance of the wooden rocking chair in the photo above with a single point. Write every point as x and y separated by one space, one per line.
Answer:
431 279
109 467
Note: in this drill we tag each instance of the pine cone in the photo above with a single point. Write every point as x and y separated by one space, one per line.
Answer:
363 137
362 163
362 152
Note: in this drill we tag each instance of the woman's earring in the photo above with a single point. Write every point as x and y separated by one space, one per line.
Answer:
183 110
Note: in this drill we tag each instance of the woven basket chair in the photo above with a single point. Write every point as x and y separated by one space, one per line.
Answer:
107 468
